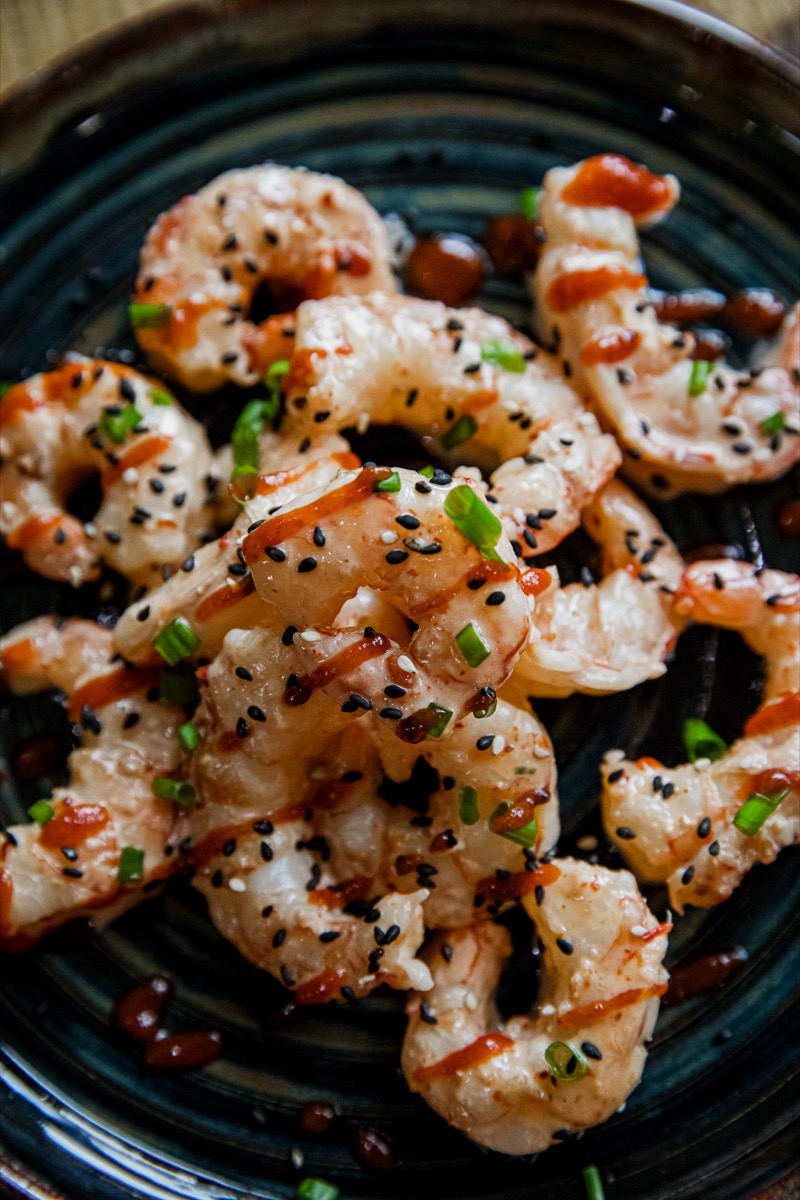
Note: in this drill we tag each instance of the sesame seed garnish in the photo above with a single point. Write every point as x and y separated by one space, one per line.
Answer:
307 564
422 488
625 833
615 776
217 879
407 521
591 1051
279 937
330 936
243 673
564 946
229 847
539 895
131 719
266 851
713 849
495 598
390 714
704 828
242 728
688 874
287 637
255 713
396 556
498 746
667 790
72 872
310 635
405 664
360 701
483 743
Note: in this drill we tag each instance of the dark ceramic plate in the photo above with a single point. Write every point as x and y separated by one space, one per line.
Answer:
442 111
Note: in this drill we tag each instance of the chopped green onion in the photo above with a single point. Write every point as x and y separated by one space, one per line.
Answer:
188 736
755 811
468 805
502 354
480 713
276 371
4 387
701 741
524 770
390 484
131 864
176 641
524 836
41 812
460 431
472 645
249 426
316 1189
565 1061
117 426
426 471
593 1184
160 397
699 376
178 687
177 791
529 202
774 424
475 520
440 726
150 316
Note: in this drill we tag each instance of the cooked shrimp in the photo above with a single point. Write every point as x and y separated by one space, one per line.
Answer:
213 590
440 371
610 636
685 426
68 862
521 1086
298 233
89 417
392 531
676 825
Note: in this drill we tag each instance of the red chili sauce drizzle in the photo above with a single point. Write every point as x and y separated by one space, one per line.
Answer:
612 181
702 975
345 661
481 1050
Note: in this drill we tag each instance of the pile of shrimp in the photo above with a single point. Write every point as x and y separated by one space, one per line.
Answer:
319 700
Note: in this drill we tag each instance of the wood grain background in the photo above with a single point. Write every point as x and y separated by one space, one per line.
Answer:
33 32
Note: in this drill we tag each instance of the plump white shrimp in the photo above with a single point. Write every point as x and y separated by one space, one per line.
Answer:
301 234
610 636
467 379
597 1006
89 417
686 427
69 865
213 590
395 532
676 825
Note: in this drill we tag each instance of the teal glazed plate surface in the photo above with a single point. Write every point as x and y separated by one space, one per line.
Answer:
441 111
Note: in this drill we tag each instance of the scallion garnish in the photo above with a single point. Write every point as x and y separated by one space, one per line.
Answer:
117 426
41 812
150 316
316 1189
188 736
178 687
524 836
176 641
426 471
460 431
701 741
565 1061
249 426
755 811
468 805
529 202
160 397
524 770
502 354
444 716
593 1184
475 520
177 791
774 424
699 376
472 645
390 484
5 387
131 864
276 371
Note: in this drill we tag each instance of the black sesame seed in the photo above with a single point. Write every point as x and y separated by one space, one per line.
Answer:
243 673
263 826
615 775
114 538
422 487
667 790
307 564
179 500
69 853
242 728
471 368
131 719
407 521
396 556
229 847
279 937
266 851
319 537
591 1051
446 951
564 946
688 874
539 894
587 579
625 833
495 598
713 849
360 701
475 584
330 936
658 783
72 872
255 713
704 828
411 397
275 553
741 447
238 569
390 714
483 743
217 879
394 691
287 637
426 1015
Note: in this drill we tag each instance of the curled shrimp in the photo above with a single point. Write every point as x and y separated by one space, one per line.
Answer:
676 825
685 426
67 863
467 380
89 417
597 1005
294 231
610 636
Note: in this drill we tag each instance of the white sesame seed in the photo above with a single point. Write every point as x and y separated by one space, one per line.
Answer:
519 515
362 425
237 885
297 1158
405 664
90 530
547 1010
541 752
587 843
638 930
388 536
130 475
310 635
499 744
75 575
7 509
614 756
700 763
470 1002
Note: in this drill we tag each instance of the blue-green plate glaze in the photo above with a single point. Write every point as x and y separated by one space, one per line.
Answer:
441 110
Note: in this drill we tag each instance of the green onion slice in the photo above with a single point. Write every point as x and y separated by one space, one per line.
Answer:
131 864
177 791
468 805
529 202
391 483
117 426
502 354
593 1184
178 687
524 836
426 471
249 426
699 376
41 812
160 397
774 424
150 316
316 1189
524 770
276 371
472 645
176 641
701 741
188 736
5 387
565 1061
460 431
475 520
444 716
755 811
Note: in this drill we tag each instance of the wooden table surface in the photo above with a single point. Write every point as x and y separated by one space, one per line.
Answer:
33 32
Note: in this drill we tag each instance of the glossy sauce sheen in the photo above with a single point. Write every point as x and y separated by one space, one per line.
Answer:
447 268
788 518
138 1012
316 1117
477 1052
74 825
702 975
610 347
781 712
179 1051
224 598
521 883
340 664
610 180
372 1149
34 757
512 242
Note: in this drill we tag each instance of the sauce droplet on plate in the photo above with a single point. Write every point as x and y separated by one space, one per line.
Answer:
449 268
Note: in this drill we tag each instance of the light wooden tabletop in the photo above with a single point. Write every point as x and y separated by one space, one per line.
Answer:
32 32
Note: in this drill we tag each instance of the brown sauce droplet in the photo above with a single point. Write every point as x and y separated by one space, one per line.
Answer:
372 1149
138 1012
448 268
33 757
702 975
415 728
692 305
711 550
709 345
513 243
757 311
788 518
316 1117
179 1051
